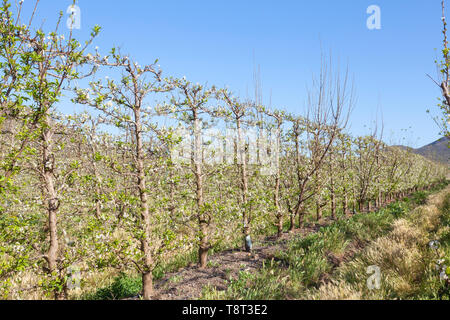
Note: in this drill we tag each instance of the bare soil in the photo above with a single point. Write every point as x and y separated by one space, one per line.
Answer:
188 283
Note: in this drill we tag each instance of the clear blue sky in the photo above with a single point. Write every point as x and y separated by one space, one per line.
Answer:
218 42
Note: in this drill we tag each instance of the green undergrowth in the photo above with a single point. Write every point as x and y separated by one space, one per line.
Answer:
286 275
122 286
431 285
413 260
126 285
311 259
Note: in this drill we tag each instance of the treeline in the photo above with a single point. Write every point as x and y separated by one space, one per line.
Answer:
102 190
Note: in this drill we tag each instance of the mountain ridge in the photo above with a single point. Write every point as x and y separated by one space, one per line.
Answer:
437 151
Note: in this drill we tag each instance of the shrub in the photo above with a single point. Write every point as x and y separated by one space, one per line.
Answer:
420 198
396 209
123 286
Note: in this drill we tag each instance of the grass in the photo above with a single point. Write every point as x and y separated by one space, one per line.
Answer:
420 198
299 271
407 263
126 285
123 286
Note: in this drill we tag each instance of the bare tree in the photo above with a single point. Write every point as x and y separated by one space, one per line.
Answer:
191 105
238 113
329 105
443 81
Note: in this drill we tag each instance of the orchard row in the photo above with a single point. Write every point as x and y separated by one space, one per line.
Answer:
101 191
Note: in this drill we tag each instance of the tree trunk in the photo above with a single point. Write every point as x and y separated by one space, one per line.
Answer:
203 252
98 181
279 213
345 206
299 210
52 202
147 284
333 205
244 180
203 222
291 221
318 211
301 215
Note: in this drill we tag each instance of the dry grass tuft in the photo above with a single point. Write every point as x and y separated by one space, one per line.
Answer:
400 255
336 290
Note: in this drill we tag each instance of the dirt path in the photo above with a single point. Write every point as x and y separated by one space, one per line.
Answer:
188 283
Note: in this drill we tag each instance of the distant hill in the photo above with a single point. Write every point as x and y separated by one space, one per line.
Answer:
437 151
